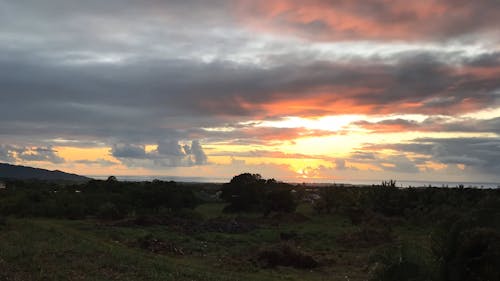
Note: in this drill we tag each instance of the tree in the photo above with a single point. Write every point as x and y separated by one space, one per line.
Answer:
245 192
280 200
111 179
250 192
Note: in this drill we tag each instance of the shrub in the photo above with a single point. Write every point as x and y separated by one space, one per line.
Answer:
474 254
285 255
109 211
249 192
401 262
3 221
280 201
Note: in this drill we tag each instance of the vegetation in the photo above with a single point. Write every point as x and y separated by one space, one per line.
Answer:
248 229
250 192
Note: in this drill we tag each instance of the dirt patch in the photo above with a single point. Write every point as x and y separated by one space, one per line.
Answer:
284 255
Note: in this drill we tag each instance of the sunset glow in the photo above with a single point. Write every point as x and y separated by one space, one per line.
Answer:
294 90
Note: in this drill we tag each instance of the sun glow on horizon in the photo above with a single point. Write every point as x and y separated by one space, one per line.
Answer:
326 123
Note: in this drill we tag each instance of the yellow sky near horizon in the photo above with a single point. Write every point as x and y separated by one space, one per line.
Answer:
303 156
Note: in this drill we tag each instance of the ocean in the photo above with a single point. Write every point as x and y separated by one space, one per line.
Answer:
399 183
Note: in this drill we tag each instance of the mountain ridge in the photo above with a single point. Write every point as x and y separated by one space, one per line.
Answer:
19 172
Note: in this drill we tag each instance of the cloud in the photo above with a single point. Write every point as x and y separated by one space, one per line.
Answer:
99 162
7 153
398 163
433 124
251 134
169 153
479 154
146 100
13 154
389 125
340 164
374 20
125 75
128 151
261 153
200 158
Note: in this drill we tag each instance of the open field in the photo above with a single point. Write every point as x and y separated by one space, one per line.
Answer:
47 249
109 230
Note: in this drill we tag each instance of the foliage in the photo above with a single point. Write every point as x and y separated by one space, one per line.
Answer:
465 242
280 200
285 255
250 192
401 262
108 199
109 211
439 234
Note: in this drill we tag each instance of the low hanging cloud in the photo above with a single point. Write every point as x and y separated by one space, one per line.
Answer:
250 134
13 154
7 153
479 154
98 162
169 153
129 151
432 124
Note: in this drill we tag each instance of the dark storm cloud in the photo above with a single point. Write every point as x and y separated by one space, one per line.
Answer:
134 72
144 100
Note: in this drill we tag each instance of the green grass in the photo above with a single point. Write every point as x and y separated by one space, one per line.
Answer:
43 249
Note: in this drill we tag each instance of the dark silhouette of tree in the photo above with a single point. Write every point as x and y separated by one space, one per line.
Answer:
245 192
250 192
280 200
111 179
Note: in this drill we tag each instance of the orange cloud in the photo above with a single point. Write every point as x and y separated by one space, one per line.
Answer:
381 19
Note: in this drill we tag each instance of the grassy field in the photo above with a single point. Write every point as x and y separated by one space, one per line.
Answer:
49 249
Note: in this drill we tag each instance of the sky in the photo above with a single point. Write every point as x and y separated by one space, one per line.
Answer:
317 90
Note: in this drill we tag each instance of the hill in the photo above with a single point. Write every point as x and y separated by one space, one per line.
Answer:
8 171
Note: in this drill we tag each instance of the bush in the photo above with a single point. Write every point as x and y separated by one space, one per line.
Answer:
401 262
244 192
285 255
475 256
249 192
109 211
280 201
368 236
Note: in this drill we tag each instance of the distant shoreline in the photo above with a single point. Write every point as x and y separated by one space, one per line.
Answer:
399 183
